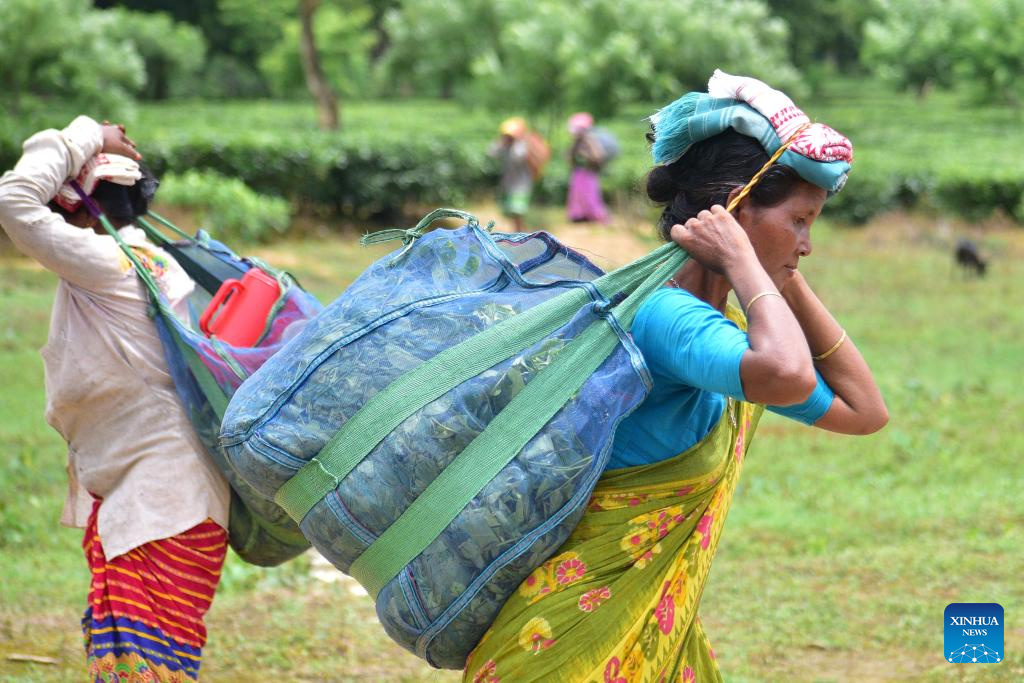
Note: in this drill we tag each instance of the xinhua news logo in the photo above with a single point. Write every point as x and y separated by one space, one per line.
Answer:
974 633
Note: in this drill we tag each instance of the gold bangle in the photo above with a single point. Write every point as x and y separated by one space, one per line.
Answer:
835 347
758 296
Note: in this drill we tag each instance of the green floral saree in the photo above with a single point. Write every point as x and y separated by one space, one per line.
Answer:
618 602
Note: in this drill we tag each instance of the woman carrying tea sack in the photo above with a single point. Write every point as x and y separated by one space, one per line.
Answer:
618 601
153 506
583 201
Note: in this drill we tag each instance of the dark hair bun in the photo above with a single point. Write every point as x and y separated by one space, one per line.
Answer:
662 185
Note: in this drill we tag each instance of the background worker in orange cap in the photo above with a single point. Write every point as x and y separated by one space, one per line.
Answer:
519 168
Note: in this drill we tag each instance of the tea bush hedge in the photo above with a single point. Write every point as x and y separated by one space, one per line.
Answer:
935 153
225 206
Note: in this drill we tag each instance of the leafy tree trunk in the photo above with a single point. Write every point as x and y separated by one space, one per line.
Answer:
315 79
14 95
380 10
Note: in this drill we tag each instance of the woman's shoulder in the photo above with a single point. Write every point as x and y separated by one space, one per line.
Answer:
674 301
687 342
671 317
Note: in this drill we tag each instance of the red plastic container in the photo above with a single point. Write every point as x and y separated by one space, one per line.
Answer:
238 312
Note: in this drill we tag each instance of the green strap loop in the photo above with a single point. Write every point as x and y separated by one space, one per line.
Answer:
416 231
410 236
389 234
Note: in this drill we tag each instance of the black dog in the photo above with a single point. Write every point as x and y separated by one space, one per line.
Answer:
969 258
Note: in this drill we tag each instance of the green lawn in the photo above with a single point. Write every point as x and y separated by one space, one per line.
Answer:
840 553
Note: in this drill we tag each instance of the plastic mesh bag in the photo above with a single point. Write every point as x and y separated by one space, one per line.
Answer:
444 293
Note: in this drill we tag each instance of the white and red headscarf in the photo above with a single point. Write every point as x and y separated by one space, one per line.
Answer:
113 168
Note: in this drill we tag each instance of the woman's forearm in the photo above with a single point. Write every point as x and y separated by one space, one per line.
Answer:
859 407
776 370
79 256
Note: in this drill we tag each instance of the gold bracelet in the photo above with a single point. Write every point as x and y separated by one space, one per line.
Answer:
835 347
754 298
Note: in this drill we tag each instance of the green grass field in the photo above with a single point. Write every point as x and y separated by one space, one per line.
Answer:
840 553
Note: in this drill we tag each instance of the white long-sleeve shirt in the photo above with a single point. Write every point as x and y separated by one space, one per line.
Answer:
108 391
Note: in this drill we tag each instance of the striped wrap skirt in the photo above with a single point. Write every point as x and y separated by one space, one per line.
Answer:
144 621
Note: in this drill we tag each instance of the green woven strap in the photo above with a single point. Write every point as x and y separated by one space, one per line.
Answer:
155 235
478 463
140 270
170 226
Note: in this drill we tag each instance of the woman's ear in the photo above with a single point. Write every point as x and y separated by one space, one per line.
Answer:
741 212
733 194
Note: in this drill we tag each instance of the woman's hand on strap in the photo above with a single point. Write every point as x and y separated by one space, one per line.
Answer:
714 239
777 368
858 407
115 141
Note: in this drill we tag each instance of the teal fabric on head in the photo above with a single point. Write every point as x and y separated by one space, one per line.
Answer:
698 116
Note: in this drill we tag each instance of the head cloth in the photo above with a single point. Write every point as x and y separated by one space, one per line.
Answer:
113 168
819 154
513 127
580 122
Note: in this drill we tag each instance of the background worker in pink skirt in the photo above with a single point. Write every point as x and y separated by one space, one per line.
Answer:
586 159
153 506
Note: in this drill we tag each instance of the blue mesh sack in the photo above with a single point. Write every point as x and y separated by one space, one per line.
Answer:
438 429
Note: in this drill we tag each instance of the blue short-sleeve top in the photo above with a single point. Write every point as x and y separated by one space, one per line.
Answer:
693 353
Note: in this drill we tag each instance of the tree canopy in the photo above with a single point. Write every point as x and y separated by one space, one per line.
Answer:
976 44
531 56
102 72
593 54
